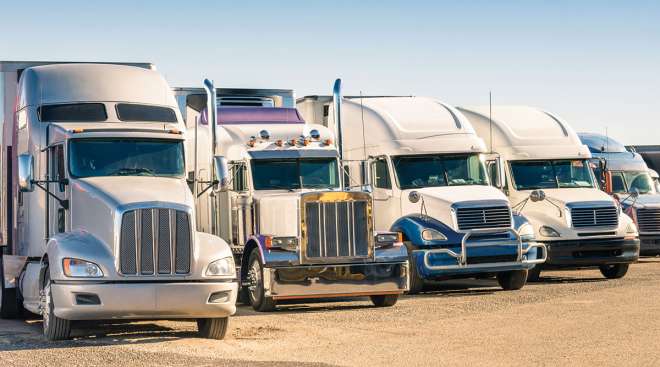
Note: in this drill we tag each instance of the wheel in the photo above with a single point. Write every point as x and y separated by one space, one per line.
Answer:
512 280
54 327
384 300
534 274
10 307
212 328
614 271
255 285
416 282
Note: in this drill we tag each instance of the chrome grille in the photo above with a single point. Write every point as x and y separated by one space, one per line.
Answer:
155 242
595 217
336 229
648 220
483 217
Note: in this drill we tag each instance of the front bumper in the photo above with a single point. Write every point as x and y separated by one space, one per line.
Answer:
591 252
649 245
126 300
337 280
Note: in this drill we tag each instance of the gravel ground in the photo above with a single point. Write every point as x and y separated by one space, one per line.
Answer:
572 318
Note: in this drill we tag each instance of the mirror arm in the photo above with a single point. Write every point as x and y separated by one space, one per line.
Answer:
207 188
63 203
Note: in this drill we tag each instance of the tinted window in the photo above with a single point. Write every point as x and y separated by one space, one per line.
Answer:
438 170
290 174
76 112
532 175
139 112
381 174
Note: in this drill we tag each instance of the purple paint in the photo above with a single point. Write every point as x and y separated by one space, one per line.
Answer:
255 115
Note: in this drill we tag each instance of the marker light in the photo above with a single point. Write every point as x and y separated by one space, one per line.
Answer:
306 141
77 130
279 143
174 131
327 141
264 134
315 134
252 141
292 142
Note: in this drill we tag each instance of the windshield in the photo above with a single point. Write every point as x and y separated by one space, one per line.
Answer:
439 170
125 157
629 181
551 174
295 173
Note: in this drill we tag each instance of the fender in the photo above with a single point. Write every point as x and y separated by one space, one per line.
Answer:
518 221
270 258
77 244
209 249
412 226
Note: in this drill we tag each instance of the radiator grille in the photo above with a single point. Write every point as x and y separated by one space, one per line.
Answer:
337 229
595 217
483 218
648 220
155 242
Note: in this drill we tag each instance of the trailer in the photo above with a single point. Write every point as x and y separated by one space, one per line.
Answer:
98 221
548 178
294 229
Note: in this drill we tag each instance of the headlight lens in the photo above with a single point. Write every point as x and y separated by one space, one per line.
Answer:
433 235
222 267
285 243
526 231
77 268
569 219
546 231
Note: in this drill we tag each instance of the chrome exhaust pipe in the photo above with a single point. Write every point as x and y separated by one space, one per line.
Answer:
211 112
336 102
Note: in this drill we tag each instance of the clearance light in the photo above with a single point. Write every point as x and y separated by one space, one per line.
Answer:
77 130
175 131
292 142
306 141
327 141
252 141
268 241
315 134
279 143
264 134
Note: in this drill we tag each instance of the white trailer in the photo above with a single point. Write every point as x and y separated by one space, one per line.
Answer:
544 158
98 219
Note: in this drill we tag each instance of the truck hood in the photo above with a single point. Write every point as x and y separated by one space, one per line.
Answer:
278 213
565 196
642 201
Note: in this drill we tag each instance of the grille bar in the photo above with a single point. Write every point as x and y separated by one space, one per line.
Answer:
483 217
155 242
594 217
648 220
336 229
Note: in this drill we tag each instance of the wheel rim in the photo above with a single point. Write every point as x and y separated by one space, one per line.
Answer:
46 305
254 281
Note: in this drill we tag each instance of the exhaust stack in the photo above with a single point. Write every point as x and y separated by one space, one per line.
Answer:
336 101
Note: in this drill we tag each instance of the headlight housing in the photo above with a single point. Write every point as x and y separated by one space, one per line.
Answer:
388 238
546 231
77 268
526 232
284 243
433 235
222 268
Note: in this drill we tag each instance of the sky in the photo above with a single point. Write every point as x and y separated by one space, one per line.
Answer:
596 64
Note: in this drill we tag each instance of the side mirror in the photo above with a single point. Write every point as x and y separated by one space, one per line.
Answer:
365 176
498 179
221 172
537 195
25 173
607 180
635 193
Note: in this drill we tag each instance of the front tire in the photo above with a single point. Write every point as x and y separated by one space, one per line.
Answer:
54 327
512 280
416 282
614 271
384 300
255 288
534 274
213 328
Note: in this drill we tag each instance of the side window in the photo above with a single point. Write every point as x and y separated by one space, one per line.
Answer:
239 176
618 185
57 167
380 173
491 167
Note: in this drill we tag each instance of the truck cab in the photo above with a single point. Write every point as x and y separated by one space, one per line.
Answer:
625 175
296 233
425 166
548 179
103 220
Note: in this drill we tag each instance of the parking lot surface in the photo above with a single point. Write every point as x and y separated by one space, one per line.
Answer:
571 318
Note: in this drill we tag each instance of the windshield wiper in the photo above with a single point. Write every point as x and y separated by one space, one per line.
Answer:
131 171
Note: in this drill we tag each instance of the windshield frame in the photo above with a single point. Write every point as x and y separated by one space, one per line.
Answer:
441 156
297 160
586 162
69 155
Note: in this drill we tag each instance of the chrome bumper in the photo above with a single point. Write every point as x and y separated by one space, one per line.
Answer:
462 260
185 300
326 281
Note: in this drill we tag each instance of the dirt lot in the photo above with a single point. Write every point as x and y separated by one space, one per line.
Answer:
573 318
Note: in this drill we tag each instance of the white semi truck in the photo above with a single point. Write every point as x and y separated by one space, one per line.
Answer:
295 231
98 220
426 168
544 158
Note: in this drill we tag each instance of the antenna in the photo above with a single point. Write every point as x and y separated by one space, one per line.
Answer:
364 140
490 118
607 140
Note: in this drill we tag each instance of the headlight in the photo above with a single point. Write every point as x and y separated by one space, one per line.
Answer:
77 268
546 231
222 267
433 235
388 239
569 219
526 232
285 243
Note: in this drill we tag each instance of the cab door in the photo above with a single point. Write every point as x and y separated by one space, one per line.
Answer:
58 220
386 206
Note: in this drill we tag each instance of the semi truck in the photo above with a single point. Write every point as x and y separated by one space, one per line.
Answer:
625 175
425 166
547 177
294 230
98 221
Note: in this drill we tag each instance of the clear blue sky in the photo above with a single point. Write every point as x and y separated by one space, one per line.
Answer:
594 63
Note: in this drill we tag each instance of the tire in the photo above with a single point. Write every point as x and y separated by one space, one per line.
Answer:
255 286
534 274
54 327
213 328
416 282
614 271
384 300
512 280
10 305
